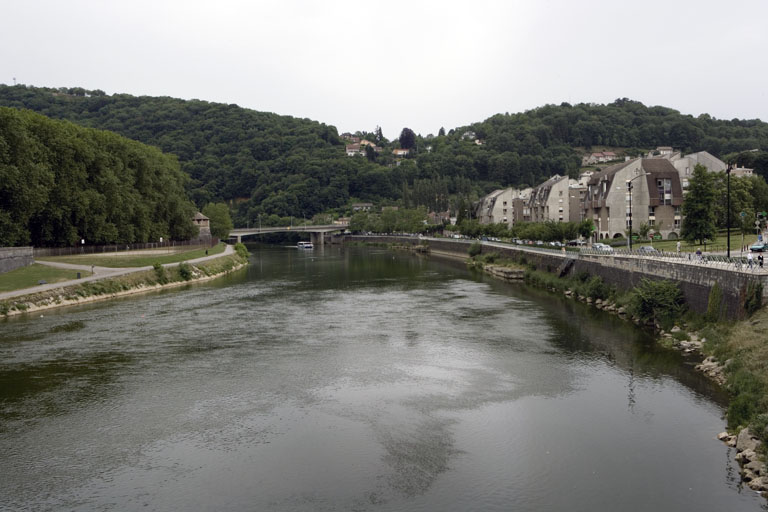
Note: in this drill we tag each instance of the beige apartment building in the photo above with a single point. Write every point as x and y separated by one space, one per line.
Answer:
655 197
503 206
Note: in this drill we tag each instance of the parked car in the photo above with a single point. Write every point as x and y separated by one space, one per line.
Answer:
758 247
602 247
647 249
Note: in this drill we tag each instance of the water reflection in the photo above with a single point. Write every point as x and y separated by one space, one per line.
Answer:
354 380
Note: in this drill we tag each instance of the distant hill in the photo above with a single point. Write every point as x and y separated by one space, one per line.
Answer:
265 163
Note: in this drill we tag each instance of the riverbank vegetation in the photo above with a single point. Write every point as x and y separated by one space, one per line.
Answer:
145 280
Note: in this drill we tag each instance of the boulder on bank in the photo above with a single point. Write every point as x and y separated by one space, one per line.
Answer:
746 442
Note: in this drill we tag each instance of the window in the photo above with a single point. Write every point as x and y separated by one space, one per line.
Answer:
651 211
677 211
664 187
651 222
677 223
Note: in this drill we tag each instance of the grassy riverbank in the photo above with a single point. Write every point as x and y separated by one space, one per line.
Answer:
133 282
27 277
142 258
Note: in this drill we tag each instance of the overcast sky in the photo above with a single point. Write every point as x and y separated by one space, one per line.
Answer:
420 64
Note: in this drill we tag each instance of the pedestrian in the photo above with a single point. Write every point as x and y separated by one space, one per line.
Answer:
698 254
749 259
678 248
760 260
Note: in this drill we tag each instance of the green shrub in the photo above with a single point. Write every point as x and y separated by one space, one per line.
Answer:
753 299
715 303
596 288
657 301
185 271
748 391
475 249
241 250
160 274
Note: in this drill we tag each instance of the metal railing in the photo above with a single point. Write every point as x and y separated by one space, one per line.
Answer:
736 264
41 252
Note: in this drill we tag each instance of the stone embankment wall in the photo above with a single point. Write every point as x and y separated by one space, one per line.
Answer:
695 280
12 258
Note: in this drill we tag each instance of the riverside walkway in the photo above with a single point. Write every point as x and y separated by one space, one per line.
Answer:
98 273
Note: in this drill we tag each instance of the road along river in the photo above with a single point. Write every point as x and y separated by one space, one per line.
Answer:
354 379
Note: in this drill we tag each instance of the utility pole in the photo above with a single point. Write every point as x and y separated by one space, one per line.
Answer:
728 208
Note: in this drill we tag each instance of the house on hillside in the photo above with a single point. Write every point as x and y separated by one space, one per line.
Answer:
354 150
599 158
362 207
401 153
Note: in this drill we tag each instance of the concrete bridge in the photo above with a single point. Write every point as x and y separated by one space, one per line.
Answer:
316 233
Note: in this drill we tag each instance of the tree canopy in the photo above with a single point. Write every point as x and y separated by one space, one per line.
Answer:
267 164
221 222
61 183
699 223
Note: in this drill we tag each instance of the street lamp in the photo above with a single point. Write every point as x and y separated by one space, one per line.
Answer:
728 208
629 191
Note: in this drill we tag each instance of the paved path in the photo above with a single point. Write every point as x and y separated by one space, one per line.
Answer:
98 273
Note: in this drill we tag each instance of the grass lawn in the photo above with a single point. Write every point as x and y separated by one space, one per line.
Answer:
719 244
27 277
143 258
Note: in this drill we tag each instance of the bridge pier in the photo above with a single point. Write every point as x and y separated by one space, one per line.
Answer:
317 238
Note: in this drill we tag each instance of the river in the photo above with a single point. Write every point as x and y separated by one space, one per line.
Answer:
354 379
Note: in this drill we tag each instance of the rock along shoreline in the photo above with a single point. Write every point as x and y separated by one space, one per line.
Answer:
754 472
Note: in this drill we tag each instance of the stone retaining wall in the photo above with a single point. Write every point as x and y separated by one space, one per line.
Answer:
695 280
12 258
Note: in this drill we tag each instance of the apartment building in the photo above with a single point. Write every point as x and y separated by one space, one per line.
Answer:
648 189
504 205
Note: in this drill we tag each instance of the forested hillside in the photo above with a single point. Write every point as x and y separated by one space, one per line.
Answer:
60 183
265 163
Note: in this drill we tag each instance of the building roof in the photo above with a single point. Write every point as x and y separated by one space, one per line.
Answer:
200 216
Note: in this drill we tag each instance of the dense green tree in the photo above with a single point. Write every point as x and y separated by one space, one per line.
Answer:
61 183
699 216
407 138
221 222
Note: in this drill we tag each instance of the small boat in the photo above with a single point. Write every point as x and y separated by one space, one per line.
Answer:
305 245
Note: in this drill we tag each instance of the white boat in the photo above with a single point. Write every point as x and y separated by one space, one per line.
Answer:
305 245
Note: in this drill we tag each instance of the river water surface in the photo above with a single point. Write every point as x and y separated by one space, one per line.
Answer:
354 379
